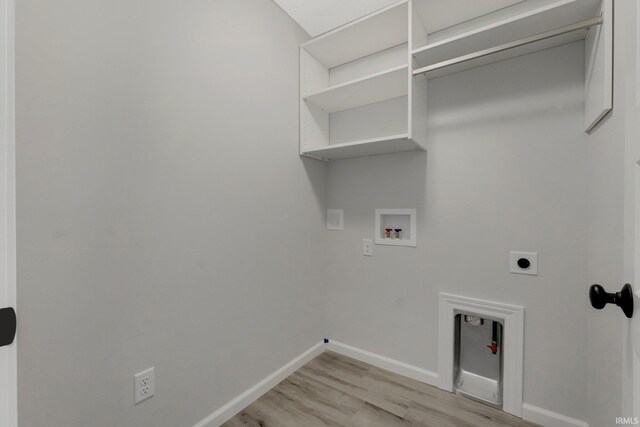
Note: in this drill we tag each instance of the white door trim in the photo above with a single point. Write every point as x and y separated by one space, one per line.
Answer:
631 400
8 359
513 322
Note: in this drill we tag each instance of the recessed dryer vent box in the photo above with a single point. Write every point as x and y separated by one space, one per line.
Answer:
396 227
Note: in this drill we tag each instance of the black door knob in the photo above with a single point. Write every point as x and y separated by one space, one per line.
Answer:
623 299
7 326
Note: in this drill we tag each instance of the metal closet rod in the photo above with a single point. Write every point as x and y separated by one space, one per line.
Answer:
511 45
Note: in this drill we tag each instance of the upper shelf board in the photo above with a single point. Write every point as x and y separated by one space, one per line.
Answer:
392 83
381 30
473 38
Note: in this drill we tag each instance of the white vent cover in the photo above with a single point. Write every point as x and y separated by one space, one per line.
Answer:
335 219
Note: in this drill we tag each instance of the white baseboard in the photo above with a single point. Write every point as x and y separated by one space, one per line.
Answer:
383 362
225 413
549 419
229 410
529 412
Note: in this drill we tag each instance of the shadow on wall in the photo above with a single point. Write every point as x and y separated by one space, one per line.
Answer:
490 99
393 279
387 181
316 172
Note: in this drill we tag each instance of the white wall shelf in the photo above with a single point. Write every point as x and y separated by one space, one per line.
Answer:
525 28
547 40
363 86
358 94
368 147
365 36
475 37
370 89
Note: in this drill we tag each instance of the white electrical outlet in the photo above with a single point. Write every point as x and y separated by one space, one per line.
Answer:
367 247
145 385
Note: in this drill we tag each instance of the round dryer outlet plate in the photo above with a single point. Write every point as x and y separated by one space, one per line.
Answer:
524 263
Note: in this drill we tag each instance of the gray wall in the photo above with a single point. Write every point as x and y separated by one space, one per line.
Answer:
164 216
506 169
165 219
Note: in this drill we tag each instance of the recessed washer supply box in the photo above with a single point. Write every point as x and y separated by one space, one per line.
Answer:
401 222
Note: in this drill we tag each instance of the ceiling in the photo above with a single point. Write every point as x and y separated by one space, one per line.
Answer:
319 16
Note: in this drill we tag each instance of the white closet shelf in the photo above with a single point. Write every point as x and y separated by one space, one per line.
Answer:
547 40
381 30
369 147
388 84
506 30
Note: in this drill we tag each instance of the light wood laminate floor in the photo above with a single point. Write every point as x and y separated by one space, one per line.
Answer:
334 390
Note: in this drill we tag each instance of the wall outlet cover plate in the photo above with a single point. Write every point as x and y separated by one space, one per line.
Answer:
367 247
144 385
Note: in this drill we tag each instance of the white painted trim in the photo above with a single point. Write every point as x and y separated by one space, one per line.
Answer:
226 412
548 418
598 86
513 322
229 410
529 412
8 355
383 362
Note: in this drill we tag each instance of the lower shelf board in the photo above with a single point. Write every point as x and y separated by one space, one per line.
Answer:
369 147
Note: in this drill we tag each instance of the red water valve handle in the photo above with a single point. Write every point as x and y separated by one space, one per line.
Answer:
493 347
